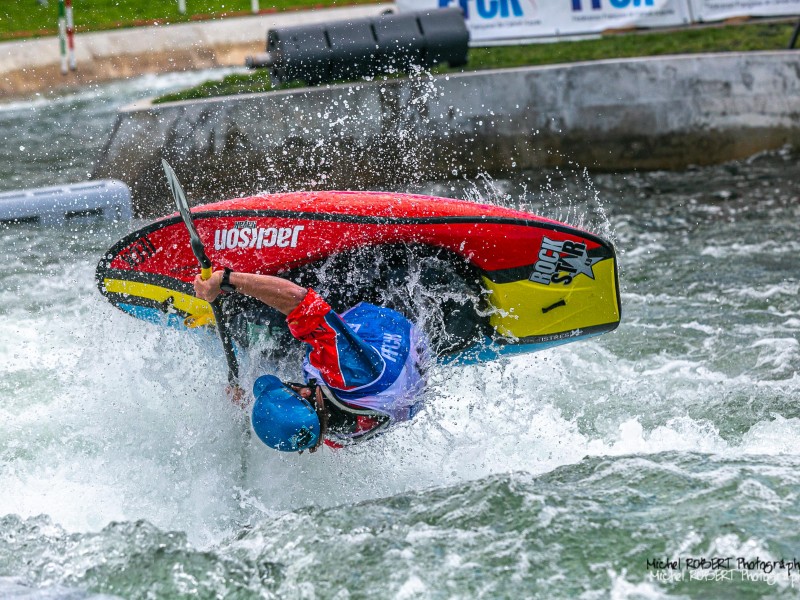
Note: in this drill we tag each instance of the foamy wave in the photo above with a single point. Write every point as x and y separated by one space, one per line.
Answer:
765 292
772 248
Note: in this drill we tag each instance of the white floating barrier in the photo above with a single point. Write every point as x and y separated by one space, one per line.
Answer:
62 204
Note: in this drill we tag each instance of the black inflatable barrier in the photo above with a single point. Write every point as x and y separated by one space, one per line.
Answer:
387 43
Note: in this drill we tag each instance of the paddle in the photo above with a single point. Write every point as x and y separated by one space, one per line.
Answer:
205 271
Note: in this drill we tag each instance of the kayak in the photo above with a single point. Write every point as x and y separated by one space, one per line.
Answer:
486 280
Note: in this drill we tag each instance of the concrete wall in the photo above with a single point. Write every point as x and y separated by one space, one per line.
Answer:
34 65
661 113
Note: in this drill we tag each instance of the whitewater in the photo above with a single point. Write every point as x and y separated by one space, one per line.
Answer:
584 471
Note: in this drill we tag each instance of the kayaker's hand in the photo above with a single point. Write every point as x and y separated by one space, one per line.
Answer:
237 396
208 289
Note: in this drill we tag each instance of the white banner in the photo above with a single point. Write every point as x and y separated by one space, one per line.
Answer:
718 10
489 20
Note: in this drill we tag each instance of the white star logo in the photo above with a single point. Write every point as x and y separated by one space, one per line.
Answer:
581 264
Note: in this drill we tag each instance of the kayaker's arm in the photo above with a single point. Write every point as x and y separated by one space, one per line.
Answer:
281 294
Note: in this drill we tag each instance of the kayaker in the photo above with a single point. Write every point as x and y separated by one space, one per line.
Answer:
364 369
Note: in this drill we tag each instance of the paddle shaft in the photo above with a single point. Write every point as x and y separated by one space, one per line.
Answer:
199 250
216 306
227 344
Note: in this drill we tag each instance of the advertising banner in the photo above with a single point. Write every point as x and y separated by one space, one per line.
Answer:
718 10
490 20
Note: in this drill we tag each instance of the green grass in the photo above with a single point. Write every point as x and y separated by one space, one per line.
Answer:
731 38
27 18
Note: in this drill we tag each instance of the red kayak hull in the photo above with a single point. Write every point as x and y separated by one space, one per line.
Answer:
546 282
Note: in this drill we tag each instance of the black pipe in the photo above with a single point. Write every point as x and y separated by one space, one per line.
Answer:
265 60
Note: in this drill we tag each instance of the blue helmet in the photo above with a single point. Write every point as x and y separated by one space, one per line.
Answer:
282 419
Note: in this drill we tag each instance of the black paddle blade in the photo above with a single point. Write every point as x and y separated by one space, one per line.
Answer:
183 208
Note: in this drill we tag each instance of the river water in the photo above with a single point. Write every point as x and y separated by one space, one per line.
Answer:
594 470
